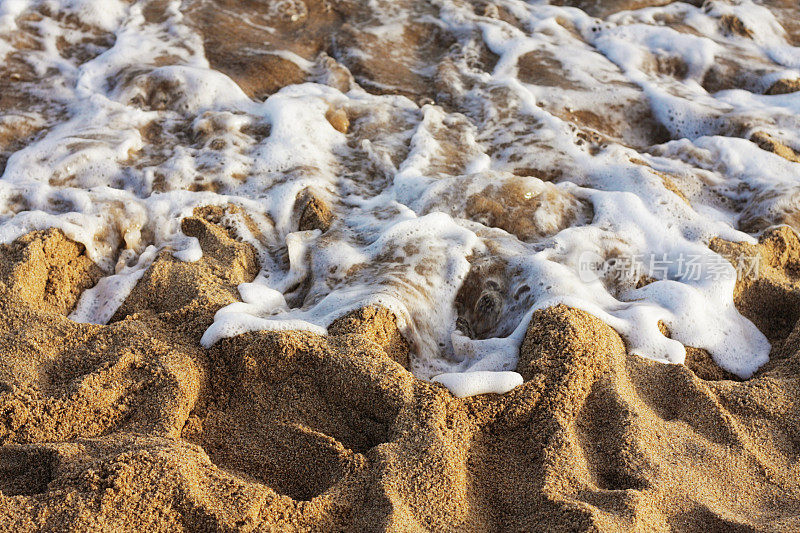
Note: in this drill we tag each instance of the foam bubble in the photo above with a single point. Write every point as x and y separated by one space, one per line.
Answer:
464 384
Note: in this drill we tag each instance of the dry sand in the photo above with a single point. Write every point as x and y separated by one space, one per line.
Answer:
133 426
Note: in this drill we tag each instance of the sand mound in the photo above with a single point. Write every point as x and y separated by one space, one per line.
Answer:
48 270
134 426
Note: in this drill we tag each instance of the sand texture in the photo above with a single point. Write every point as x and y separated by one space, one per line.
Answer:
451 157
133 426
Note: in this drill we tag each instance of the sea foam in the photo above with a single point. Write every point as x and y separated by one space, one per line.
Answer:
135 137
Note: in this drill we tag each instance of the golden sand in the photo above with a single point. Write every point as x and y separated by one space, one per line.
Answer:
132 426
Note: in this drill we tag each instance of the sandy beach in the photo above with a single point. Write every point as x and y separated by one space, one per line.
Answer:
243 241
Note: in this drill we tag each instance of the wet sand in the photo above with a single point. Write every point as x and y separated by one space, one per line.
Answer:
135 426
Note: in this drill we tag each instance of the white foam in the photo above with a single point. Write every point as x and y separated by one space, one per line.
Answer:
464 384
9 11
190 252
400 181
99 303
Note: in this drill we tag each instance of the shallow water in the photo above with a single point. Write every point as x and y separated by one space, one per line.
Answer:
462 163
